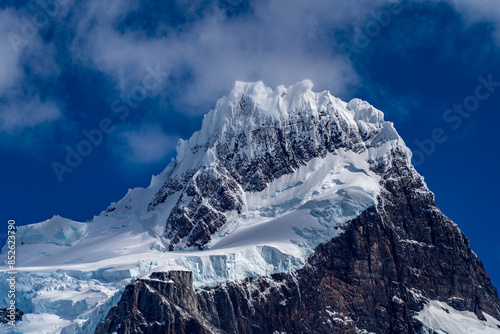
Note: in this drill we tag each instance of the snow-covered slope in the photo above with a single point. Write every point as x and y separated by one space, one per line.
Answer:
440 318
271 174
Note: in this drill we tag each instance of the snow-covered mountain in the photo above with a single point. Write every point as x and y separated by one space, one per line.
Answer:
271 175
261 152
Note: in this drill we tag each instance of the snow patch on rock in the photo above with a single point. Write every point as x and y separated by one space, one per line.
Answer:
439 317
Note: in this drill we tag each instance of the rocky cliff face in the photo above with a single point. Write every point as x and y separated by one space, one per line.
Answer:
374 277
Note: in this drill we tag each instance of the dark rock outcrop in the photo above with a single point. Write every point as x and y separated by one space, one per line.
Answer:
163 303
374 277
7 315
198 214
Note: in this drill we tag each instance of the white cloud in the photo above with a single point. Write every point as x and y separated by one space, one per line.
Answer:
282 42
21 104
147 144
479 11
9 61
18 115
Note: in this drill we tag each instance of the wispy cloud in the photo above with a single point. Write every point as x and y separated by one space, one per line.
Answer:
279 42
9 64
479 11
147 144
18 114
25 66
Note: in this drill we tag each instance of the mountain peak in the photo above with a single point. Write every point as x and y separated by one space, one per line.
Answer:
259 91
253 105
256 135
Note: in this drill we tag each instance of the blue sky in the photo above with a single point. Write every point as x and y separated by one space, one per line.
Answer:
136 76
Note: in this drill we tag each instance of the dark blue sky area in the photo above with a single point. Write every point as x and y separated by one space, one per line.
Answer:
89 62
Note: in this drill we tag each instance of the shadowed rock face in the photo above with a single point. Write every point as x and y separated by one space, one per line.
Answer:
375 276
164 303
5 316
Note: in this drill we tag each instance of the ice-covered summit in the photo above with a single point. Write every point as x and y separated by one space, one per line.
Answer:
252 105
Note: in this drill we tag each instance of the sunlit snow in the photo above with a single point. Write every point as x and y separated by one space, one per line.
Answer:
440 318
